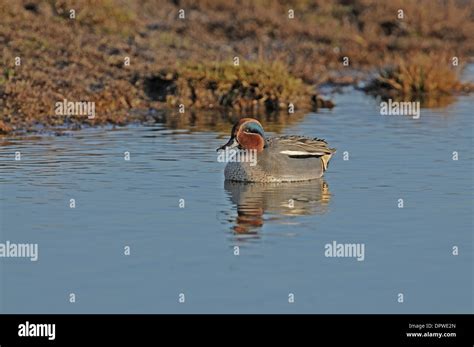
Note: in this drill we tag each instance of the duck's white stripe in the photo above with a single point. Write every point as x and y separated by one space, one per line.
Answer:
317 154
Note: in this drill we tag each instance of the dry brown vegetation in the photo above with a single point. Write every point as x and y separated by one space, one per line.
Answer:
431 79
176 61
250 87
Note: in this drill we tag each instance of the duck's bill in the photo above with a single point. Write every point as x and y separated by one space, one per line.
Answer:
232 143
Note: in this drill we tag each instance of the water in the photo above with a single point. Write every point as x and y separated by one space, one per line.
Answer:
190 250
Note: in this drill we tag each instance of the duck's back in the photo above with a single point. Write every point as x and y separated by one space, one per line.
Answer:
285 159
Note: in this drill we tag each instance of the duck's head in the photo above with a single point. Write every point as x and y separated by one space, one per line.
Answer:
247 133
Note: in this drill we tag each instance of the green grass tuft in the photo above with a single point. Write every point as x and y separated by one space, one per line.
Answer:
248 86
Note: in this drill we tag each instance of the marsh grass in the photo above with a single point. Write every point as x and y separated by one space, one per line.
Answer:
103 16
82 59
428 78
250 86
6 75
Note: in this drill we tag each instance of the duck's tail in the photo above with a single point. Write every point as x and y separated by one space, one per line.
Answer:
326 158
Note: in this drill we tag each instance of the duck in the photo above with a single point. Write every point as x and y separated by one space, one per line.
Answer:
290 158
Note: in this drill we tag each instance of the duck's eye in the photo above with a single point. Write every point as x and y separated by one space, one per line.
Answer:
247 131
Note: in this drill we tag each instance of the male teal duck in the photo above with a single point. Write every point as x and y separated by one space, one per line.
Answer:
279 159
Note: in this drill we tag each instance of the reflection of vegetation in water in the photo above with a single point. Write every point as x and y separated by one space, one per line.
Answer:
429 79
222 121
277 200
426 101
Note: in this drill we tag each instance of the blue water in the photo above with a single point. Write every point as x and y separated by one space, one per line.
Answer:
190 250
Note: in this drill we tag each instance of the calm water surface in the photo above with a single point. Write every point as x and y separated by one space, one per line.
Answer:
190 250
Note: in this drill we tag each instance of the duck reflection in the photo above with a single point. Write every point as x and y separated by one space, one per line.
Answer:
278 200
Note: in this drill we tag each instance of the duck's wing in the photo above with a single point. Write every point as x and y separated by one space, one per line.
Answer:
301 146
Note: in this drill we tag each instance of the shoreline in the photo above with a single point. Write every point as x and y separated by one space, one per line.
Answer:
217 120
142 55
